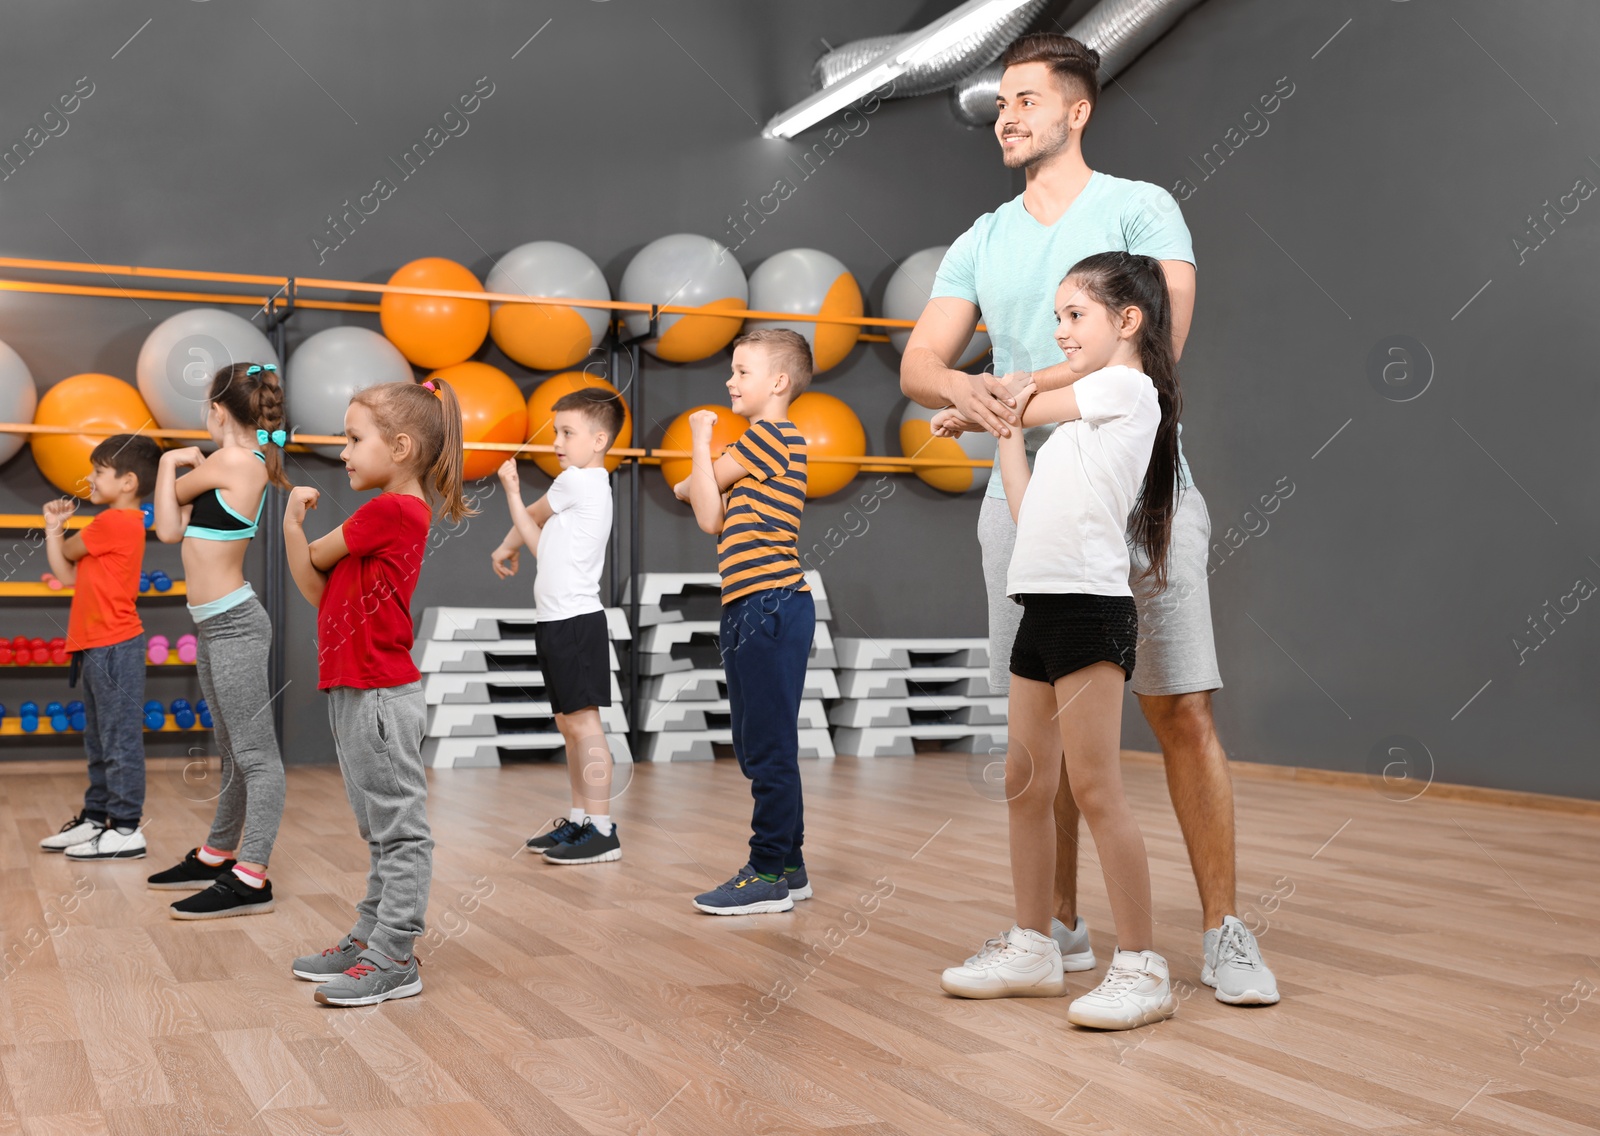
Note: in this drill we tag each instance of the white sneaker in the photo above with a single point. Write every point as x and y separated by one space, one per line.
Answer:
1020 964
75 831
1076 953
110 844
1233 965
1135 992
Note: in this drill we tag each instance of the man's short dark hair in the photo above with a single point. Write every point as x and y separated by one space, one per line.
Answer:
602 408
1074 65
129 453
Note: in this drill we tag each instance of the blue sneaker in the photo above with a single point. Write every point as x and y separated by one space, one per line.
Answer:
799 886
746 894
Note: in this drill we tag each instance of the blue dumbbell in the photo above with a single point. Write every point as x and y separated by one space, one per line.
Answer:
200 708
155 715
78 720
182 714
144 582
2 711
58 717
30 717
55 708
149 511
160 581
75 707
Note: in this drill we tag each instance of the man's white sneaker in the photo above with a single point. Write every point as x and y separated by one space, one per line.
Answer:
1233 965
110 844
1020 964
75 831
1135 992
1076 953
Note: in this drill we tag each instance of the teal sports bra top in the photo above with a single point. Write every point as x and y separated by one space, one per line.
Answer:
210 518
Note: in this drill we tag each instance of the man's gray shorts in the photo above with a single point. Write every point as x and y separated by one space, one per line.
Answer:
1176 653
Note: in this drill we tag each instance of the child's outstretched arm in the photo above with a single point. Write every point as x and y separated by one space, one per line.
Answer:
62 551
527 522
309 563
1059 405
708 479
1013 455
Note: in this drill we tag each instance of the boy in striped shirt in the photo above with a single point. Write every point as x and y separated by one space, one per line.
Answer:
768 617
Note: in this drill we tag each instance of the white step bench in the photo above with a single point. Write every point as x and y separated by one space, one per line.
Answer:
860 713
473 656
490 720
657 586
468 687
696 745
970 682
889 741
485 623
706 685
684 715
484 753
904 654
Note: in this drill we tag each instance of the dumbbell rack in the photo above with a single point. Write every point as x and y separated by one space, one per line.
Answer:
11 725
485 693
683 711
897 693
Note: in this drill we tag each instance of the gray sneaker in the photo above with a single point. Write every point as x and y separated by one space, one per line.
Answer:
373 978
1076 953
1233 965
328 965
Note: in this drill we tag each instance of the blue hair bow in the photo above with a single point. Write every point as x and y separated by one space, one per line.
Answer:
257 368
277 437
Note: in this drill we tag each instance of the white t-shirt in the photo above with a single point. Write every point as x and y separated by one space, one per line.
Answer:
1086 479
572 547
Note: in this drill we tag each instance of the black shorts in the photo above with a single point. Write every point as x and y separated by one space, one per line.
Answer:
1062 633
575 658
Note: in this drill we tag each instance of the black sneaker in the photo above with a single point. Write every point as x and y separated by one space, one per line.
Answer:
799 885
227 895
587 846
562 830
191 875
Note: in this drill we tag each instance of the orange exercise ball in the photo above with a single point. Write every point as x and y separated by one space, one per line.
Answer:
678 437
91 401
830 429
492 410
542 416
434 331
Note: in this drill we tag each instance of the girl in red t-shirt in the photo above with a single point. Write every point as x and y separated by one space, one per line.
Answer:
404 440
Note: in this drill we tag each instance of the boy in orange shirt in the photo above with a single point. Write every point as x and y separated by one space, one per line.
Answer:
102 564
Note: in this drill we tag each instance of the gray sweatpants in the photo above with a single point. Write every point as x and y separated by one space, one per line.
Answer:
378 735
231 656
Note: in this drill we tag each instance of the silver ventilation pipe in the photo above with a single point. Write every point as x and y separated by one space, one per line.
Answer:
957 62
1118 29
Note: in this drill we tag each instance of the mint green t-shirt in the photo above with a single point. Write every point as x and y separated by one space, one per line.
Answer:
1009 265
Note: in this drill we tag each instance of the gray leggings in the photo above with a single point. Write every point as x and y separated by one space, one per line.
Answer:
232 660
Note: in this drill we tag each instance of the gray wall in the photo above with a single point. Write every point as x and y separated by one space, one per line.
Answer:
1384 193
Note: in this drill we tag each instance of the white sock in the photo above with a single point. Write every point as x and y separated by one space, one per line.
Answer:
602 823
248 879
576 816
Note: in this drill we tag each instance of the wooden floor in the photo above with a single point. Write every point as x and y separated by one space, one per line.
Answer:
1414 944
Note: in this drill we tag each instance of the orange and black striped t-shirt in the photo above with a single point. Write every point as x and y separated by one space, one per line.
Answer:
759 546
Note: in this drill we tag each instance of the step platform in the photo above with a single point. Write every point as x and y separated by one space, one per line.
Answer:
965 682
508 718
493 687
938 710
895 741
488 624
708 685
484 753
656 588
478 656
666 643
902 654
697 745
684 715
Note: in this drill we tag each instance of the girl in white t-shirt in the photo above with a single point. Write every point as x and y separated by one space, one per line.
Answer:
1107 476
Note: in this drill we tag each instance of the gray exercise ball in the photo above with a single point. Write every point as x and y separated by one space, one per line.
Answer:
330 367
183 354
547 337
19 398
908 292
686 270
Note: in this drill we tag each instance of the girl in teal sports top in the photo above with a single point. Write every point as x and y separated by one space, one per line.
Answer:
214 510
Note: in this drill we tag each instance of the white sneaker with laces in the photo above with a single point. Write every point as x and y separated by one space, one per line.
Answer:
77 830
1076 953
1019 964
110 844
1135 992
1233 966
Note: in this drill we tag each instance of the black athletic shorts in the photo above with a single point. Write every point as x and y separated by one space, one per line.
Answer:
1062 633
575 658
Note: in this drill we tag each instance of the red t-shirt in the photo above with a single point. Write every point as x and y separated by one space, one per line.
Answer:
364 621
106 592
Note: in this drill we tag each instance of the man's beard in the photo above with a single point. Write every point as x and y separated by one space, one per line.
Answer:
1043 151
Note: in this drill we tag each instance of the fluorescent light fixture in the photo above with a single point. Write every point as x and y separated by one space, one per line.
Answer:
917 48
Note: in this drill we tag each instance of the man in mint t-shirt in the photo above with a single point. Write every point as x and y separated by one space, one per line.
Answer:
1007 267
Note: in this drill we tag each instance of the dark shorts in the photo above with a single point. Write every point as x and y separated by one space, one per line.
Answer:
575 658
1063 633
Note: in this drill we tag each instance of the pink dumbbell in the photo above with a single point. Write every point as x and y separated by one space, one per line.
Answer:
187 648
158 650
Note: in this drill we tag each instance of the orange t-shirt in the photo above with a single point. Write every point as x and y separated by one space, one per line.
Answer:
104 597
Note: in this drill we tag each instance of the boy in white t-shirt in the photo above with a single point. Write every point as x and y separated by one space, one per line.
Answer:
567 530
